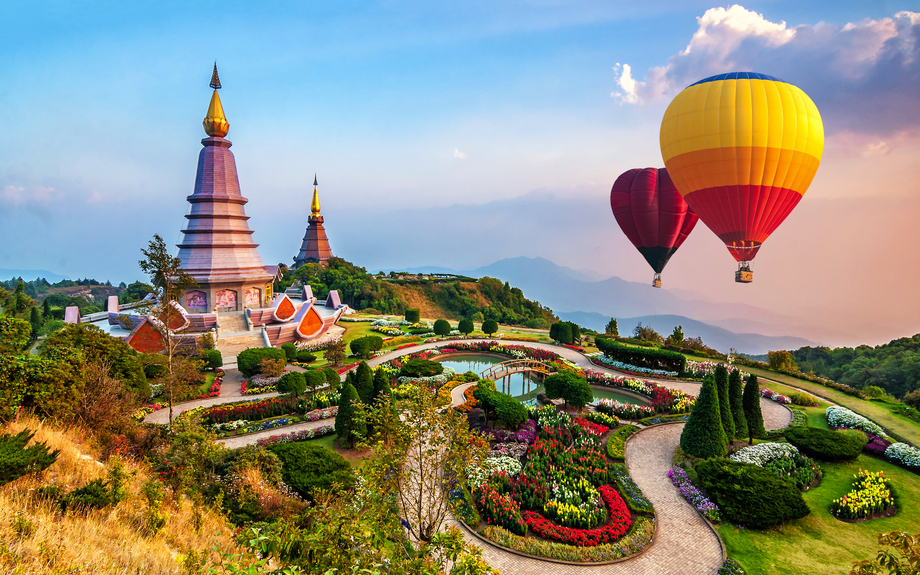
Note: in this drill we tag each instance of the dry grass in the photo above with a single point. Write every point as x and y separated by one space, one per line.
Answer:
35 537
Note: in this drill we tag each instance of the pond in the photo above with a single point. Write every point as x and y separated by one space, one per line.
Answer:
518 385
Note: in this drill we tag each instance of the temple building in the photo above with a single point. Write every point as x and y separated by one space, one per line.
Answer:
217 248
315 247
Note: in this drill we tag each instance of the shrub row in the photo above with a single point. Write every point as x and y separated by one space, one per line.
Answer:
652 358
616 443
249 361
826 445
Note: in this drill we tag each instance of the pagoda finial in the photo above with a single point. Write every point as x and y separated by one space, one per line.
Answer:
215 123
314 205
215 79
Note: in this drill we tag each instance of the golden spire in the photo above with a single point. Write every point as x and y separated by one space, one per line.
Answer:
314 205
215 123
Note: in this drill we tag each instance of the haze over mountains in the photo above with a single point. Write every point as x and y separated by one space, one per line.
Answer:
580 297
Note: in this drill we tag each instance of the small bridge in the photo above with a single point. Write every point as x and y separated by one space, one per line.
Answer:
501 372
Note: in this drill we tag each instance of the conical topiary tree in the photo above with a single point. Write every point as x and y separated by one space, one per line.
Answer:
735 397
703 435
381 383
751 404
364 383
725 408
345 412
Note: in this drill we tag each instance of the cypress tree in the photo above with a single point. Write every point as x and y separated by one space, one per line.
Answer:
735 396
554 331
725 408
364 383
751 404
46 310
381 383
703 435
36 321
564 332
346 412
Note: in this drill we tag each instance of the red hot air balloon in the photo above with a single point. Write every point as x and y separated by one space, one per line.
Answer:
652 214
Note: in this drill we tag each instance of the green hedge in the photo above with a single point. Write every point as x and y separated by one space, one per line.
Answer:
364 347
290 351
412 315
616 443
650 358
212 358
306 467
249 361
826 445
505 408
749 495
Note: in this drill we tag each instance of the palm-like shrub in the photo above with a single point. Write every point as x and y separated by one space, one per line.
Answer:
17 460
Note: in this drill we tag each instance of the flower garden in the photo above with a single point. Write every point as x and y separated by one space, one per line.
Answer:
549 490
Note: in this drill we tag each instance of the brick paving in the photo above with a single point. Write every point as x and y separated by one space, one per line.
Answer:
252 438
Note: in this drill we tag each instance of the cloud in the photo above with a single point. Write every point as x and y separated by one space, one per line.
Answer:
94 197
16 196
863 76
459 155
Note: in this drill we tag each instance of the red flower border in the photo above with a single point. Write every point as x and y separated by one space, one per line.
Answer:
618 524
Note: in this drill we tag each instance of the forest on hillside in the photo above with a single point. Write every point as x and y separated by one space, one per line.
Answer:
489 298
893 366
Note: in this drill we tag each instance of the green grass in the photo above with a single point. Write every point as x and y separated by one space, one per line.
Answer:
819 543
815 415
208 381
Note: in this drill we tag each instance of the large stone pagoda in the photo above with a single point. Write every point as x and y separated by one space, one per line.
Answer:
217 248
315 247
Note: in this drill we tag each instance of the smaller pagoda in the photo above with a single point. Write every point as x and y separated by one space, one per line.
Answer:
315 247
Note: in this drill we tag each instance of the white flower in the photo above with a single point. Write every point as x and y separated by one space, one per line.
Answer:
763 453
842 417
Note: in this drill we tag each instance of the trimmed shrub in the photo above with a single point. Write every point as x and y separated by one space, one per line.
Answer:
212 358
465 326
364 383
442 327
304 357
749 495
505 408
17 460
725 408
651 358
306 467
381 383
564 332
826 445
703 435
93 495
568 386
290 351
750 402
314 380
364 347
292 382
489 326
249 361
412 315
421 368
736 400
332 378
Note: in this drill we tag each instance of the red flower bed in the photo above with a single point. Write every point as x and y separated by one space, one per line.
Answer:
617 525
595 428
662 399
575 347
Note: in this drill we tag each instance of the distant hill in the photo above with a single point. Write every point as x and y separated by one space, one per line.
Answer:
713 336
28 275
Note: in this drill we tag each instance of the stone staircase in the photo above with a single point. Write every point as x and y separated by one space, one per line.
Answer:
231 323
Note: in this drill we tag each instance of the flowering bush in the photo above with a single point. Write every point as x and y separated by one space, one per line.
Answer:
777 397
693 495
303 435
870 494
602 418
509 465
842 417
592 427
904 454
763 453
617 526
509 449
877 445
624 410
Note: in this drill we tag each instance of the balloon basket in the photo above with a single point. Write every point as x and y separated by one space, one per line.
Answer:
656 282
744 275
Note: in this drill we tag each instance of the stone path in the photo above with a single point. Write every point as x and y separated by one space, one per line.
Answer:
252 438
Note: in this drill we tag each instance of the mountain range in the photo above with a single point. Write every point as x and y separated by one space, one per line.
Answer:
581 297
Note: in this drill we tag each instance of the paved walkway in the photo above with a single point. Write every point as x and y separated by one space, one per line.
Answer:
252 438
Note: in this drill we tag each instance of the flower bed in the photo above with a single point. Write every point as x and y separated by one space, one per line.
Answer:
616 443
842 417
664 399
904 454
257 410
876 445
303 435
870 496
694 497
318 345
258 384
777 397
624 410
763 453
700 370
605 361
214 390
618 525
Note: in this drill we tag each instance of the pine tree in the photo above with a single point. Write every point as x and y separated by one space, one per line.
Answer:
381 383
36 321
364 383
751 404
725 408
703 435
735 395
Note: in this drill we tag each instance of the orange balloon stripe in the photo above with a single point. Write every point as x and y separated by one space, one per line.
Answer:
742 166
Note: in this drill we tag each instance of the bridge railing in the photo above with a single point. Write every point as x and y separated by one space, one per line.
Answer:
514 366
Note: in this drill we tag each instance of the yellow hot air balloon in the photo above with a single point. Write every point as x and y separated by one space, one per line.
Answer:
742 149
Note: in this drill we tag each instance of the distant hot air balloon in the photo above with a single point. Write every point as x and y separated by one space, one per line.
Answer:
742 148
652 214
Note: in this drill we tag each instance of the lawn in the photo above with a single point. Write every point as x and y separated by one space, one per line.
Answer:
208 381
819 543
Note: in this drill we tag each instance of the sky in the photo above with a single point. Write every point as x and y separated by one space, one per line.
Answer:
456 134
